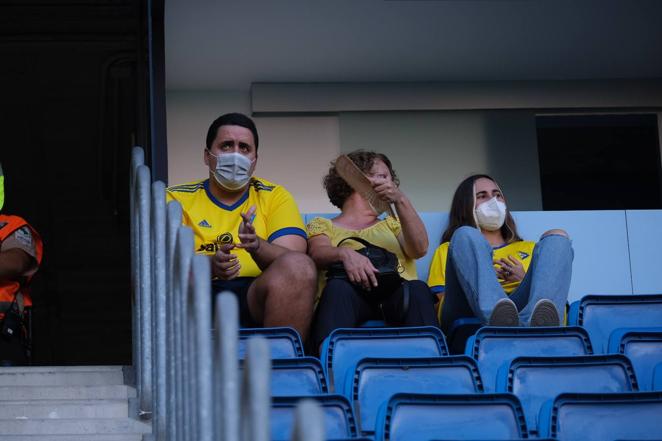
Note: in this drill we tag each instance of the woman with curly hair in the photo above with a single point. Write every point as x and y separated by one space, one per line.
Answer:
348 302
484 269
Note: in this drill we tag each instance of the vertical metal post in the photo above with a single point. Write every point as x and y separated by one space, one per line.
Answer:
256 392
173 223
137 159
308 422
182 266
226 367
202 361
159 324
145 366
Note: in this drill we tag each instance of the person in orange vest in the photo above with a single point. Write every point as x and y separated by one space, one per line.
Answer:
21 250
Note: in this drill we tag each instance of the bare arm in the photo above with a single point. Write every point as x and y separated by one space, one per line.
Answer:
413 238
14 263
262 251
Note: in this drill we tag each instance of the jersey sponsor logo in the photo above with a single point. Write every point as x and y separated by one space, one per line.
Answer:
523 255
257 185
204 224
222 239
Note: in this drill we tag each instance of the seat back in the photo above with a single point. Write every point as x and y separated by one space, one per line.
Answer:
376 380
338 417
297 376
493 347
476 416
283 342
643 346
536 380
602 314
599 417
345 347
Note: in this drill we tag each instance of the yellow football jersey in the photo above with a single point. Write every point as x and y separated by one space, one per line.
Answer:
520 250
215 223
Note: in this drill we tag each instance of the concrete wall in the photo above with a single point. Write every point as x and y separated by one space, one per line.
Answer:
432 150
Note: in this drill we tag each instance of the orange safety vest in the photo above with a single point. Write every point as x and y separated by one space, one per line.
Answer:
17 289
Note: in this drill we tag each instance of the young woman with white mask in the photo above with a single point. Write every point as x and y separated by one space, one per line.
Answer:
484 269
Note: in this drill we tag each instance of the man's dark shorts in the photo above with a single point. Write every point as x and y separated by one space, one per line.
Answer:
239 287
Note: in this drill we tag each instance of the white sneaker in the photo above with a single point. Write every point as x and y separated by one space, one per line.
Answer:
544 314
504 314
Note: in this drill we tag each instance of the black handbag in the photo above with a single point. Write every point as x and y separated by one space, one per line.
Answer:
388 278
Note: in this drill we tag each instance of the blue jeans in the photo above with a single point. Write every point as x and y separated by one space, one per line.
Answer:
472 288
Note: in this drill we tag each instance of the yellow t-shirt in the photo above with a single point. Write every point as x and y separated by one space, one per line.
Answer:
383 234
520 250
215 223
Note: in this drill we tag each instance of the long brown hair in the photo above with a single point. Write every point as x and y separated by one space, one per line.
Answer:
462 211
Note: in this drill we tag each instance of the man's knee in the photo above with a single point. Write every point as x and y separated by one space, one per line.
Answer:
555 232
297 266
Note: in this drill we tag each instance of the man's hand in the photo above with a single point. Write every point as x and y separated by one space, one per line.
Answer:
224 265
359 268
247 237
510 269
385 189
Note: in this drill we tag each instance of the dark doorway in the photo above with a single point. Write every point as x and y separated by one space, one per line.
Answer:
74 82
599 162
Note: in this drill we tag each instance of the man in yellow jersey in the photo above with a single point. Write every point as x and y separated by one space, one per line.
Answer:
251 229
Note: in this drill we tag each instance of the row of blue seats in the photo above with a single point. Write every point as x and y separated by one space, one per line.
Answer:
493 348
534 380
499 416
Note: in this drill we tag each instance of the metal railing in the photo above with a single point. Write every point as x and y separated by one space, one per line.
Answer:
187 383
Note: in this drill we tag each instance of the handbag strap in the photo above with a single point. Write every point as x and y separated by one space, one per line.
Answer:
363 242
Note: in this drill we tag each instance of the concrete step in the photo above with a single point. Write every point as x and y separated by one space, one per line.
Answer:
123 437
25 393
44 409
61 376
101 426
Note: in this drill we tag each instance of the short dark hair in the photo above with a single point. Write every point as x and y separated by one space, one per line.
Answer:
336 187
231 119
462 211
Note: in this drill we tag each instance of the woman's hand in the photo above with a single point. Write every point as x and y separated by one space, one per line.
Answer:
385 189
510 269
360 270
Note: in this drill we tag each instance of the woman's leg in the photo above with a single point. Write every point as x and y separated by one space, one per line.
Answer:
341 306
470 278
548 276
418 305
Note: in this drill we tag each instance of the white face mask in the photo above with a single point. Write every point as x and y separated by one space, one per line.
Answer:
233 170
491 214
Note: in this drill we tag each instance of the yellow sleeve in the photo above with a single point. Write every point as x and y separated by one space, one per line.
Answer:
318 226
393 225
284 218
437 275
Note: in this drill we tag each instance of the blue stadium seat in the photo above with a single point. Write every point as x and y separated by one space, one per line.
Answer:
414 417
602 314
375 380
284 342
657 378
643 346
344 347
493 347
297 376
537 380
599 417
339 420
460 331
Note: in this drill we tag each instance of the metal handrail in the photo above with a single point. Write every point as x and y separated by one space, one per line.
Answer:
226 363
143 292
190 387
308 422
158 253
